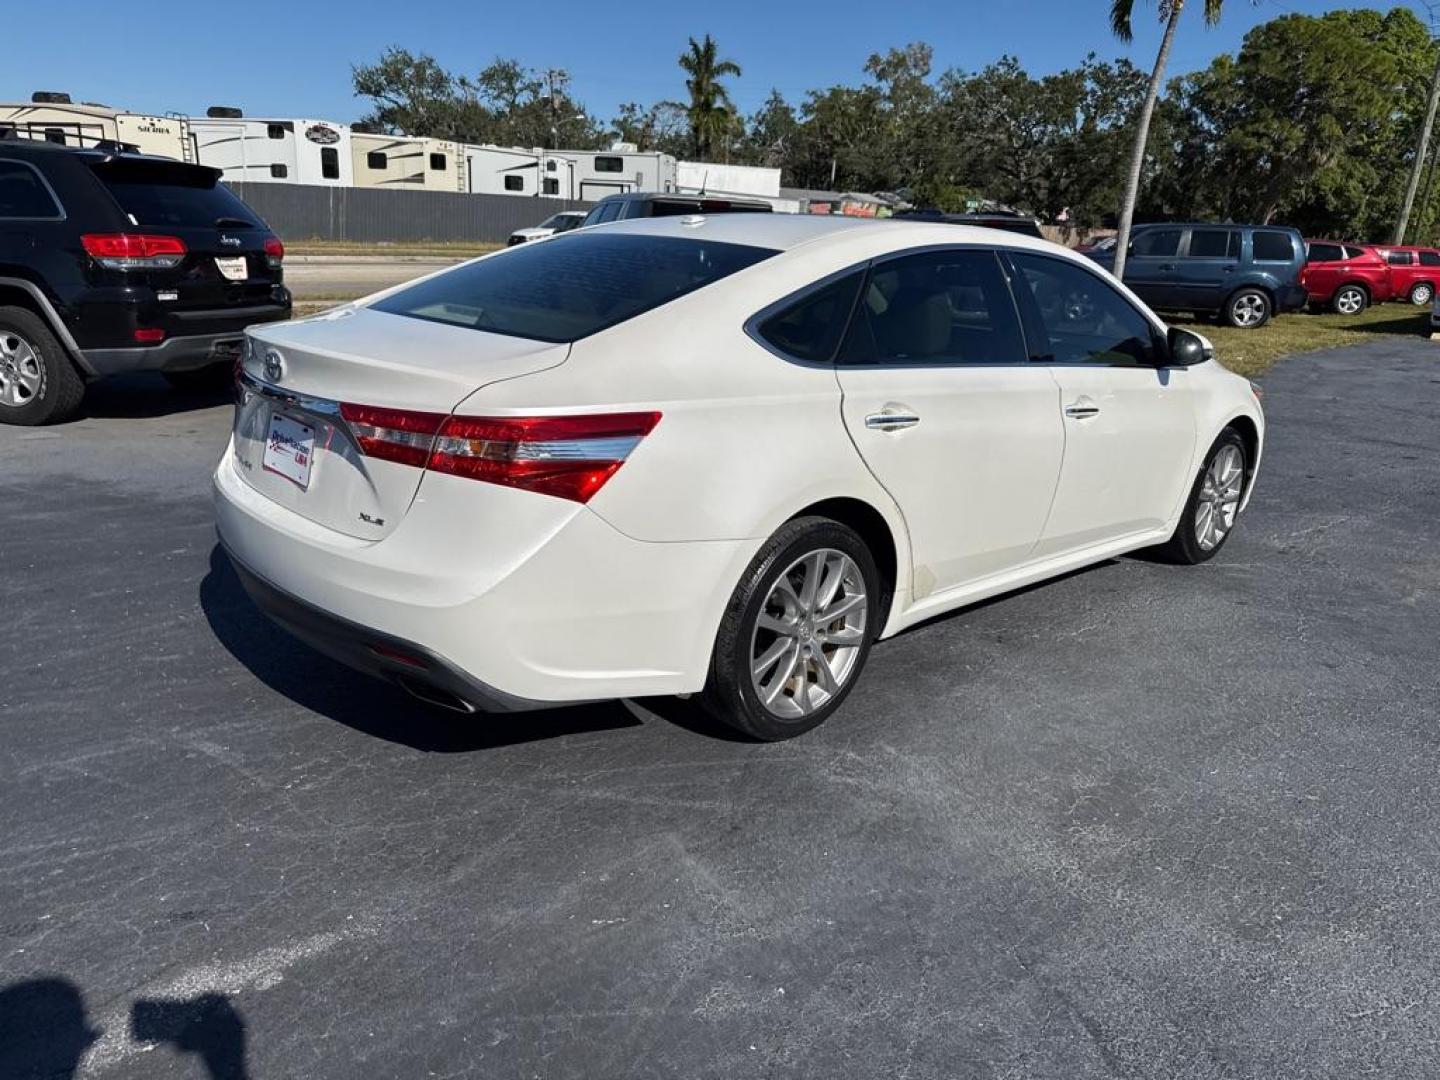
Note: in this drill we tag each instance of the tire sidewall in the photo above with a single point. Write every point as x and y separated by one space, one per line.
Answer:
60 385
731 694
1235 298
1187 542
1358 291
1422 290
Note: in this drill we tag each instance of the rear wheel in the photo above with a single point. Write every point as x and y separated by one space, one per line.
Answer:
1247 309
1213 506
797 631
1422 293
1350 300
38 383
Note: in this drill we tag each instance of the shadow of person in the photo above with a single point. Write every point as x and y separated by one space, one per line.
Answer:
43 1030
209 1026
366 704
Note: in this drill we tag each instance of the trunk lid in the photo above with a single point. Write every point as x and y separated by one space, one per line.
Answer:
297 374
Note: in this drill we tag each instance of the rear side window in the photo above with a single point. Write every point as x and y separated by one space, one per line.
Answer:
1270 246
673 207
1157 243
160 194
1430 258
1214 244
1354 253
572 286
1076 318
1318 253
941 307
1400 258
810 329
23 194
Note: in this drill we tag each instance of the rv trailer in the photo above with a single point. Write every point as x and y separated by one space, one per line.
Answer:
270 151
52 117
586 175
402 162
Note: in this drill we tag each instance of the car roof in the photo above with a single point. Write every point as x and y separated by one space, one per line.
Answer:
1211 225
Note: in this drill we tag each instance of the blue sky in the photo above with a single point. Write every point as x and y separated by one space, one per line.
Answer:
293 59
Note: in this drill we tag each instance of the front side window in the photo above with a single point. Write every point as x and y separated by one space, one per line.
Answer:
377 159
1214 244
1269 246
23 194
572 286
1074 317
941 307
1321 253
1156 243
810 329
609 164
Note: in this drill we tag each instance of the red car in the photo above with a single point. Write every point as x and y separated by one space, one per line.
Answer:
1415 272
1347 278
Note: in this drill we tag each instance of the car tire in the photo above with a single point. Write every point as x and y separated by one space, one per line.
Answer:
1247 309
1220 487
206 380
1349 300
38 382
1422 293
778 670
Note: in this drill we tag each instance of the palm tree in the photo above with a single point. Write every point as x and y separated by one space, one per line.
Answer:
710 111
1120 12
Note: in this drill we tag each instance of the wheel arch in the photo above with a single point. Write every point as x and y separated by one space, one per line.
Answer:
877 533
17 292
1249 433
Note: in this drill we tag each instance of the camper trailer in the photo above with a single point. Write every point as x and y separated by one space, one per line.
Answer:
567 174
504 170
270 151
54 118
402 162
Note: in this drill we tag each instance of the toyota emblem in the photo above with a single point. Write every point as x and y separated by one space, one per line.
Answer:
274 366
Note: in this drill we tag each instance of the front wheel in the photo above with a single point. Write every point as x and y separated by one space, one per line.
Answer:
1422 293
1213 506
1248 309
797 631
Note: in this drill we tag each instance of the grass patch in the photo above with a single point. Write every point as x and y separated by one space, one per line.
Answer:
1250 352
454 250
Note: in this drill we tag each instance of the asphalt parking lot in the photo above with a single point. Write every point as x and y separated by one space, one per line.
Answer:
1141 822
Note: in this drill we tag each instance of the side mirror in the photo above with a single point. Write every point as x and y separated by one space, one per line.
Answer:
1187 349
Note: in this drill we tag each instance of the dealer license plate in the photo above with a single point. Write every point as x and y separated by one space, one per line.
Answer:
290 449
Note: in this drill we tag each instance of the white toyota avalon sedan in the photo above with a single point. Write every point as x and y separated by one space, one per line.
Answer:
713 455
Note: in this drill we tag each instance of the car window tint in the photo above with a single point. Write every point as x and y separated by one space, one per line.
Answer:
1214 244
940 307
811 328
1268 246
23 194
1354 253
1157 243
1430 258
1078 318
1318 253
572 286
1399 258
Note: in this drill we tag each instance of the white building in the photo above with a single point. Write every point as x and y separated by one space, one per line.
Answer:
274 151
55 119
403 162
704 176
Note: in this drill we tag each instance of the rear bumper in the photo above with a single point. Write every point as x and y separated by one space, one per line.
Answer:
172 354
193 338
1292 298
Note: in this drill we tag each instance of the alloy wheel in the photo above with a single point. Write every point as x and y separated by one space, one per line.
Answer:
1350 302
1248 310
1219 501
808 634
22 375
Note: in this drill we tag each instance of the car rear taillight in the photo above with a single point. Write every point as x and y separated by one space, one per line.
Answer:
570 457
274 251
134 251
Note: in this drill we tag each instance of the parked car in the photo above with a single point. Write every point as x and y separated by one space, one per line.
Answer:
1241 273
1006 220
1414 272
642 204
1346 278
113 262
1105 243
725 458
551 226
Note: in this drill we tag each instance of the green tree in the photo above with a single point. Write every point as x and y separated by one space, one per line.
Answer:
711 113
1120 22
408 94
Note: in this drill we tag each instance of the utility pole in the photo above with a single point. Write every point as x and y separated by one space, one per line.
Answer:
1422 148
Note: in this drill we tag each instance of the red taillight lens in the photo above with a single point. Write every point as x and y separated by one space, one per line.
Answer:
134 251
150 336
274 250
570 457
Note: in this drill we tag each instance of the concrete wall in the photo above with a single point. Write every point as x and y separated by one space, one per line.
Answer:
375 215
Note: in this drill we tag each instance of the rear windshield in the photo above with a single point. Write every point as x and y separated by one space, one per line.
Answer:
571 286
156 194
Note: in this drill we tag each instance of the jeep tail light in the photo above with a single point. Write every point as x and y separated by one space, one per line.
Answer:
134 251
274 251
570 457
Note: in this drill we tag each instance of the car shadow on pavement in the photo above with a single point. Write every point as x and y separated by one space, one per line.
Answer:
45 1032
369 705
145 396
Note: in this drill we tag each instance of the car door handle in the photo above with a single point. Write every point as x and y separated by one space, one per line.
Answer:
891 421
1168 268
1082 410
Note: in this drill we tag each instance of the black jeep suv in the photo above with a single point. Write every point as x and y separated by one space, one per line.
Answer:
112 262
